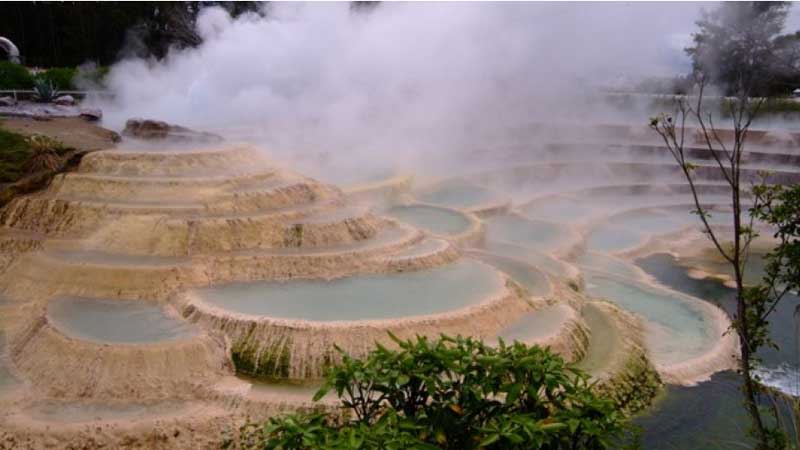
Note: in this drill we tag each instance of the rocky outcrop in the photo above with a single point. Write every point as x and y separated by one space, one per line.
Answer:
157 130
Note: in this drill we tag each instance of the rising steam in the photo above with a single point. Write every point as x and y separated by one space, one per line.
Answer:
399 82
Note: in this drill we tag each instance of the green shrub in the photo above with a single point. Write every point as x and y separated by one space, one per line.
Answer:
14 76
452 393
44 91
61 77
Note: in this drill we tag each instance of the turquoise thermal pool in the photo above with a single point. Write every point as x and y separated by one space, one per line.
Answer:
528 276
116 321
459 194
537 234
541 260
92 412
430 218
609 238
362 297
426 246
676 331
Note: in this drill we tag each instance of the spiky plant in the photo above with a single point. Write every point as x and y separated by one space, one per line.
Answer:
45 154
44 91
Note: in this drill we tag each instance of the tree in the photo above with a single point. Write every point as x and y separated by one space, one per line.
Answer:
775 206
451 393
71 33
737 48
739 45
779 207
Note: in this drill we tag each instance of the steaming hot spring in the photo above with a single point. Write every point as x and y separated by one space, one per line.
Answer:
183 291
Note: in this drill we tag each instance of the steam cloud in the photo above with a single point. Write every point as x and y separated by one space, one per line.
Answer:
401 82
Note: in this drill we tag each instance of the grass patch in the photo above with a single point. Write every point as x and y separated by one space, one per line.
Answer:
23 155
15 151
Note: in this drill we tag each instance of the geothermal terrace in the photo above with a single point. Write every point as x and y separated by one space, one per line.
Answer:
165 296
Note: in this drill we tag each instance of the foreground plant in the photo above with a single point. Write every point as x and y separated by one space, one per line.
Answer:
450 393
778 207
45 154
44 91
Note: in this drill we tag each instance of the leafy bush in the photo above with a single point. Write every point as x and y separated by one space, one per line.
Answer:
61 77
14 76
452 393
44 91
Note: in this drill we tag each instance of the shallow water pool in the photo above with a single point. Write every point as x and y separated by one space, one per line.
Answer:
430 218
609 238
600 262
116 321
515 229
363 297
459 194
674 330
528 276
538 259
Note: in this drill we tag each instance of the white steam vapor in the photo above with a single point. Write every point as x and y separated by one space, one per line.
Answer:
401 82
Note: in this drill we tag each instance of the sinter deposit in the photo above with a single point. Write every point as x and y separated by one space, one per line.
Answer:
168 295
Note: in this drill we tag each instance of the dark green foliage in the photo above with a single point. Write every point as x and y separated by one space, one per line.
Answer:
14 153
451 393
739 46
779 207
44 91
71 33
14 76
61 77
775 105
21 156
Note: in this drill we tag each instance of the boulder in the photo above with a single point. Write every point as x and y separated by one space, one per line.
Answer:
7 101
158 130
64 100
91 114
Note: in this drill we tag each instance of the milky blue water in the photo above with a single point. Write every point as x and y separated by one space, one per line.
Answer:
435 220
361 297
116 321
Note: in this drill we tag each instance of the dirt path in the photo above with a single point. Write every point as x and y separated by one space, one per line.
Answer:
73 132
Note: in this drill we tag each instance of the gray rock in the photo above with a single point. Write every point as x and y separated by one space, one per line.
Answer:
7 101
91 114
158 130
64 100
